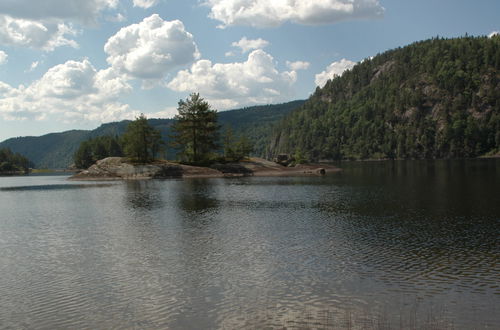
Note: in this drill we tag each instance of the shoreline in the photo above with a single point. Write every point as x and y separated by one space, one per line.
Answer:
117 168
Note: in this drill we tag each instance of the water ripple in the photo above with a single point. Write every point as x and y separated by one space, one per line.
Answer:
251 253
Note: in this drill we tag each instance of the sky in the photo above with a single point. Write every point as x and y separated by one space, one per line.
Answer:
72 64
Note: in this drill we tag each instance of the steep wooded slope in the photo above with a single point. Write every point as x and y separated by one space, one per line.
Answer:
432 99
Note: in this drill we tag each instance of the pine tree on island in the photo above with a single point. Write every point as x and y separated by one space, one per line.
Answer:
195 132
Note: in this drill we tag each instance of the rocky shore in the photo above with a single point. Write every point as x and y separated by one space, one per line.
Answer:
118 168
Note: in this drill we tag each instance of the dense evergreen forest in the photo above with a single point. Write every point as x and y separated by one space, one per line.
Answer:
13 163
438 98
56 150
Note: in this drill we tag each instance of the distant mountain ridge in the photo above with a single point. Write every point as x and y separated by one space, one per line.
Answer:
438 98
55 150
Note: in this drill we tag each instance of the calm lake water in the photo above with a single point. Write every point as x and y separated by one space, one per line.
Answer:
381 245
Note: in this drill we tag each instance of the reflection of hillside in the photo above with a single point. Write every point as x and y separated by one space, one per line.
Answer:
416 223
196 197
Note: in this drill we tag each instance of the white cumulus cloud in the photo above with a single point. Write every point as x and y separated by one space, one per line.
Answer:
69 92
68 80
298 65
33 34
247 45
3 57
255 81
47 24
83 11
145 3
168 112
265 13
333 70
150 49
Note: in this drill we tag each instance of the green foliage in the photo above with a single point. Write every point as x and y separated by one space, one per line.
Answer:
229 147
299 157
243 147
13 162
84 157
141 142
236 149
433 99
95 149
195 131
257 123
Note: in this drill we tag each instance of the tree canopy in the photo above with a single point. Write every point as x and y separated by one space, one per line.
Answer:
195 131
141 142
100 147
13 162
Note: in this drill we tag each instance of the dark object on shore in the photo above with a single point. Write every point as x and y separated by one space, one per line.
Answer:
284 159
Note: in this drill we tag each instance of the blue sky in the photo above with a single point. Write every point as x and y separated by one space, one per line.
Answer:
72 64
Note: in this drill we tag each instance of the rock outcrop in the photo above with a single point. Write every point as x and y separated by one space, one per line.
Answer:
118 168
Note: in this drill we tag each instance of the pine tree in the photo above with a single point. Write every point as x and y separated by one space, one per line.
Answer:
83 156
195 131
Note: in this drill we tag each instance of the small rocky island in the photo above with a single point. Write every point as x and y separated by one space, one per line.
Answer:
120 168
196 139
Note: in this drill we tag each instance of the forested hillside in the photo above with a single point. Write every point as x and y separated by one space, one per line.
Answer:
257 122
56 150
53 150
438 98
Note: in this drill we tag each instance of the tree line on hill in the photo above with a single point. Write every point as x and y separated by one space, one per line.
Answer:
56 150
195 135
438 98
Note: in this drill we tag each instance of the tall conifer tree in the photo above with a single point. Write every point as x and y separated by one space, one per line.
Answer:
195 131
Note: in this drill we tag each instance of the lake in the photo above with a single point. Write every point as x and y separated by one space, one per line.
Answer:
404 244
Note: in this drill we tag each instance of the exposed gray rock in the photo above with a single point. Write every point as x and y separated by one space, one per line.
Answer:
118 168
